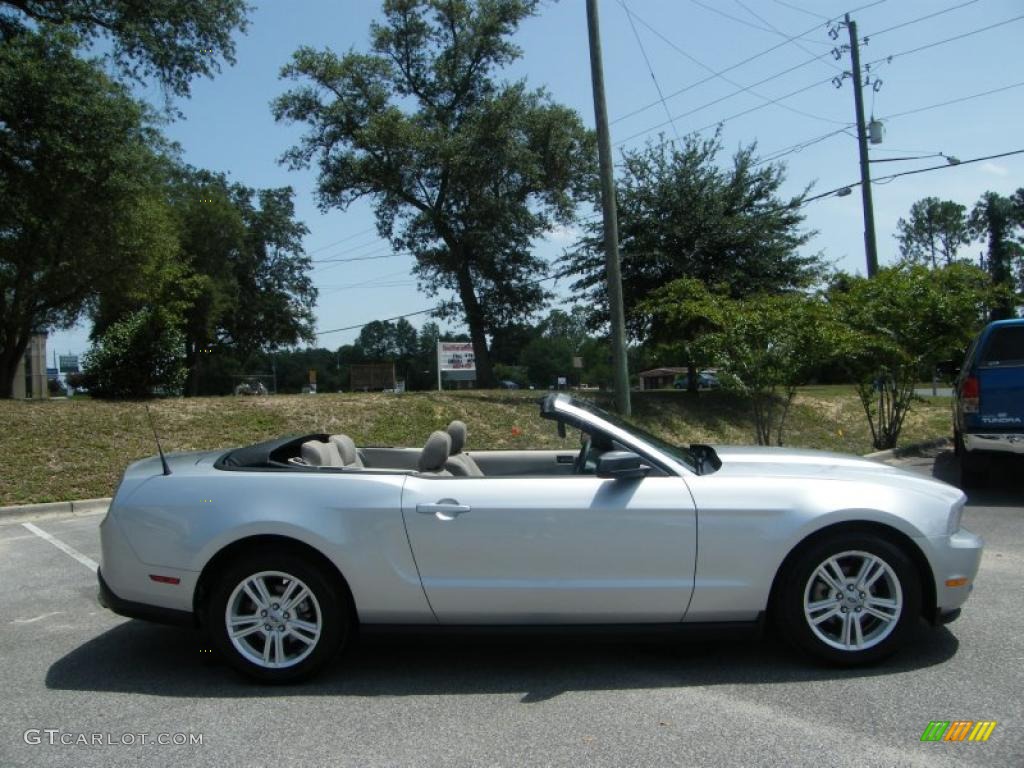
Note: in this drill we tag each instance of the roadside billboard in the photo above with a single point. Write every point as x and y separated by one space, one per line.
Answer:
457 358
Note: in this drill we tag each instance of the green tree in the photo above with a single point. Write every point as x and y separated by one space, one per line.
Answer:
247 281
767 345
137 357
376 341
546 358
465 171
80 199
903 321
682 215
935 230
996 220
170 40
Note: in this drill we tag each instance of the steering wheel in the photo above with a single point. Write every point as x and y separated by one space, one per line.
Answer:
580 466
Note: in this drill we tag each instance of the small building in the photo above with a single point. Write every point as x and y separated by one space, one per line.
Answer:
370 377
660 378
30 374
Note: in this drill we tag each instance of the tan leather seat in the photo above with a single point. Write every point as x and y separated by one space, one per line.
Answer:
347 450
434 455
318 454
459 463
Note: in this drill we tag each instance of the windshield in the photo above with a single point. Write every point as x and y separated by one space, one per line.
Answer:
683 455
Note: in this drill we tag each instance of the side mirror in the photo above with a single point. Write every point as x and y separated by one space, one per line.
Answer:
621 465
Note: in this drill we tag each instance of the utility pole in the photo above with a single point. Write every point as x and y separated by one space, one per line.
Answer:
611 225
870 246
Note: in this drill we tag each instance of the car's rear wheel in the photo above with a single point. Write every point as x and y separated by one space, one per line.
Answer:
275 617
850 599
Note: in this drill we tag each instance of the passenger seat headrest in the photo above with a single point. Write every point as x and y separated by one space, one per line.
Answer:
347 448
317 454
435 452
457 432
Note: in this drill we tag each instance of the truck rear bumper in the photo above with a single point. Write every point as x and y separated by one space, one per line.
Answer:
996 442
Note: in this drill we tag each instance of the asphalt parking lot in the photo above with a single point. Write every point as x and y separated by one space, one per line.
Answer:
70 666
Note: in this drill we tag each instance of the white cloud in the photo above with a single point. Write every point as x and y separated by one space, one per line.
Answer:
995 169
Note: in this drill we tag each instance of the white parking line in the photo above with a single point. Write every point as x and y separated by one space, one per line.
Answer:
88 562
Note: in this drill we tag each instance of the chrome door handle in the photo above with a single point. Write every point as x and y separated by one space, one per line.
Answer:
445 509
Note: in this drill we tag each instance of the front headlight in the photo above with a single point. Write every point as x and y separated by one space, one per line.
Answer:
955 513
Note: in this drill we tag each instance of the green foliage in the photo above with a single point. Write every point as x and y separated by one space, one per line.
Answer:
170 40
935 230
137 357
902 322
80 200
546 358
997 221
765 345
682 215
464 170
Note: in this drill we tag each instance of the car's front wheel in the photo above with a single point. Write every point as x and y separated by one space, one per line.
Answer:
850 599
276 617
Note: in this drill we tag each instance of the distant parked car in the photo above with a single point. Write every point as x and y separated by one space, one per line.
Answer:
705 380
506 384
989 409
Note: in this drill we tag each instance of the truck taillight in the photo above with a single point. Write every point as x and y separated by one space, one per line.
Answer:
970 394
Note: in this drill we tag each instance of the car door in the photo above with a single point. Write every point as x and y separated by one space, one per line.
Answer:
557 550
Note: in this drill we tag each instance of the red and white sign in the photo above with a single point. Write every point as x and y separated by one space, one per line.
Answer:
455 356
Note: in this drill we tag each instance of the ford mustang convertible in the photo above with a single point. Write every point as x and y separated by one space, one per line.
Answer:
280 550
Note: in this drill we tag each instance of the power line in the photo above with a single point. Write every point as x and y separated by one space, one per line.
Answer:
947 40
639 42
953 101
738 20
738 64
951 165
556 276
730 68
353 250
891 176
733 83
338 242
799 146
806 88
724 98
802 10
765 21
920 18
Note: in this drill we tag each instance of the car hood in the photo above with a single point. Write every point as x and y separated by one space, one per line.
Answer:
757 461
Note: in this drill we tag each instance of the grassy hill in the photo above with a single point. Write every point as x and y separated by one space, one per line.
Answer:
59 450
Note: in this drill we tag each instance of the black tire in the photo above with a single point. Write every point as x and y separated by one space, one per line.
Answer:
326 608
880 638
973 470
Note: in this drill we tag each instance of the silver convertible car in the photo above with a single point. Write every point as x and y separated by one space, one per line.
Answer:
281 550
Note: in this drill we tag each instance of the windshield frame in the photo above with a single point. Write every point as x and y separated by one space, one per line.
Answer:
560 406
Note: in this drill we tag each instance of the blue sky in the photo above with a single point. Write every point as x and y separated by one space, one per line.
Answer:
228 125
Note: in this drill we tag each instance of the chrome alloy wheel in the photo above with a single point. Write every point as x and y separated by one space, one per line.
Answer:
273 619
853 601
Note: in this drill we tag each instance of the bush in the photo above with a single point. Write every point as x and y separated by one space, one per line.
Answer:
141 355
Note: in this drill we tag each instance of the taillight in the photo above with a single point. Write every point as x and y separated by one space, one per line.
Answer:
970 394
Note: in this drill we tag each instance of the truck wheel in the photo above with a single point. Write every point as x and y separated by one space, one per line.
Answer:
973 470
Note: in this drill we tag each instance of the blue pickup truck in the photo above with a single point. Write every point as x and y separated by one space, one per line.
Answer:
989 410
